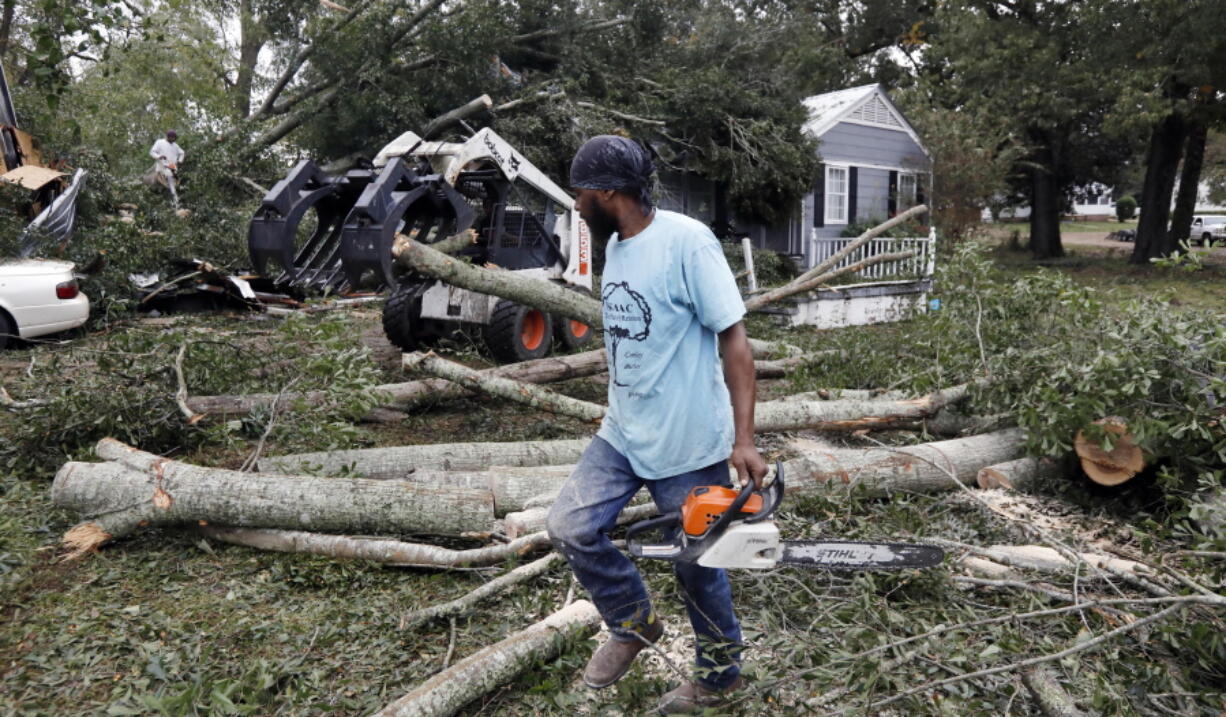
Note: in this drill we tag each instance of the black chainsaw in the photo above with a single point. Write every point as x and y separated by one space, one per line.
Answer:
719 527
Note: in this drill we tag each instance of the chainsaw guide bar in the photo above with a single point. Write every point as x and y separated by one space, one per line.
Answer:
718 527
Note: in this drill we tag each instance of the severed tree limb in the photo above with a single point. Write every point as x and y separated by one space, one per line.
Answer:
498 585
797 287
544 295
517 391
181 395
833 260
138 488
495 665
532 519
394 553
8 403
447 119
398 462
1076 648
410 394
1021 474
1046 690
1049 560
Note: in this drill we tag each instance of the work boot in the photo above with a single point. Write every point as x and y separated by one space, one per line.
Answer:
613 659
692 697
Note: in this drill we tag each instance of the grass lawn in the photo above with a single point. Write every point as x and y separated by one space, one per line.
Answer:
169 623
1023 228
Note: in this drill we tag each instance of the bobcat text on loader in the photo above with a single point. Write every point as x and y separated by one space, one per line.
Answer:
430 191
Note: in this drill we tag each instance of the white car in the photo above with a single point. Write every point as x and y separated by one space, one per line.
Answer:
1207 228
39 297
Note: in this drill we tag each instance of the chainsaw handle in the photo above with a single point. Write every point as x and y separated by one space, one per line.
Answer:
771 497
643 526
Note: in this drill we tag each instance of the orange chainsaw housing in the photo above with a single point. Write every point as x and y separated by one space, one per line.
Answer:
707 503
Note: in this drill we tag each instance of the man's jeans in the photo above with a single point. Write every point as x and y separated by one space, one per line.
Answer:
579 523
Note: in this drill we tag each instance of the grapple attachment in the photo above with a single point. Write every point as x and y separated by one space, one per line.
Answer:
423 206
272 234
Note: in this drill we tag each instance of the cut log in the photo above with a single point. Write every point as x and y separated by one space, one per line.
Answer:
511 488
1022 474
851 415
143 489
849 394
769 416
544 295
1046 690
394 553
409 394
532 519
929 467
499 387
398 462
1115 466
468 679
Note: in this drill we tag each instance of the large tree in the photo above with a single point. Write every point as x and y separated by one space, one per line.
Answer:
1031 66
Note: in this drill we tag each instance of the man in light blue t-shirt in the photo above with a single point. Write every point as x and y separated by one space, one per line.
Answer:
676 417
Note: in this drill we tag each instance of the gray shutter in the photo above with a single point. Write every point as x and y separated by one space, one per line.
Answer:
819 197
851 194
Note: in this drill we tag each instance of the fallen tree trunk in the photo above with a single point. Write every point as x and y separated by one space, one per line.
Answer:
410 394
499 387
544 295
1021 474
825 271
769 416
451 689
140 489
398 462
929 467
851 415
532 519
393 553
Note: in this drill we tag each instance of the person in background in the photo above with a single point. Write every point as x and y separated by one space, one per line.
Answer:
167 156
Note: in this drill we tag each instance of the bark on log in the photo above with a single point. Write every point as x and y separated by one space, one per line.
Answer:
849 394
518 391
398 462
1046 690
410 394
451 689
882 471
443 121
851 415
1048 560
1021 474
532 519
393 553
142 489
544 295
511 488
769 416
498 585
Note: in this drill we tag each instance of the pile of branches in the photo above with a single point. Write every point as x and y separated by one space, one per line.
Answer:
500 493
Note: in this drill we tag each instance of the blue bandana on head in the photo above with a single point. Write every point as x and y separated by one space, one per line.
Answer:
610 162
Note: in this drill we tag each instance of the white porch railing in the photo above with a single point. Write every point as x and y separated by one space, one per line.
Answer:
920 266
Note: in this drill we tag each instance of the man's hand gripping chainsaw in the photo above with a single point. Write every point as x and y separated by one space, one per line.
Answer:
718 527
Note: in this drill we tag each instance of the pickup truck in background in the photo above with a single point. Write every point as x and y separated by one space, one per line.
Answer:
1207 228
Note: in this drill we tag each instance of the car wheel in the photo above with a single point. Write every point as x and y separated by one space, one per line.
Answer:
1205 238
7 329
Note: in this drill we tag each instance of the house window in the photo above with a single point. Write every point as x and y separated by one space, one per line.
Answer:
836 195
906 191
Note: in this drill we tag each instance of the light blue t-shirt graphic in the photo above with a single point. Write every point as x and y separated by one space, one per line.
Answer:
666 293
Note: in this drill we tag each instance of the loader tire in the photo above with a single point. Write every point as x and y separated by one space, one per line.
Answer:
518 333
570 333
402 323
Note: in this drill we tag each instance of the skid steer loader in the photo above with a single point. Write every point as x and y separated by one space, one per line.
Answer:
522 220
